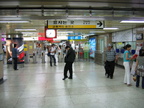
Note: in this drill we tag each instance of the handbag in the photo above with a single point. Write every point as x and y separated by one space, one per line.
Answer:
134 77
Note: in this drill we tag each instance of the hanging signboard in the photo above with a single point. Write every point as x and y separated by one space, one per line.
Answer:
74 37
66 24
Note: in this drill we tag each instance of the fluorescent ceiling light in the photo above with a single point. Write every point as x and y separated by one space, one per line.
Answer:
65 32
126 21
25 29
25 32
14 21
110 28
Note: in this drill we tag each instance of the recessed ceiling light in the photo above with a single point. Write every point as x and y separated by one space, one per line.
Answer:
14 21
25 29
128 21
110 28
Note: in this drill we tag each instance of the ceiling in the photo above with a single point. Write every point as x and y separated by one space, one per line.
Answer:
39 11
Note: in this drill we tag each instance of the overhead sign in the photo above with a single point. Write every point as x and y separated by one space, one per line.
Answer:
74 37
56 24
74 34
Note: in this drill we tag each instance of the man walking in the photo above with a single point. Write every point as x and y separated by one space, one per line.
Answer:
14 56
69 59
110 61
52 54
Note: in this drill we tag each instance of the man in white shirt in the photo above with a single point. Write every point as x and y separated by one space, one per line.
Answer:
52 54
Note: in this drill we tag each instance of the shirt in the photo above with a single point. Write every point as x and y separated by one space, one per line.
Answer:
124 56
110 55
140 61
14 53
52 50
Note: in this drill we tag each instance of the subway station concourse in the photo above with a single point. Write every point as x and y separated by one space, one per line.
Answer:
89 27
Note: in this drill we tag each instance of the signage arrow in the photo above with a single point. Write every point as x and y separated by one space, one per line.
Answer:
100 23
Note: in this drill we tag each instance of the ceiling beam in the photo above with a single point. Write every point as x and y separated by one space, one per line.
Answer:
71 8
68 17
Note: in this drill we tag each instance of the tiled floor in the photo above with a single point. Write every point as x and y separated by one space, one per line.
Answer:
41 86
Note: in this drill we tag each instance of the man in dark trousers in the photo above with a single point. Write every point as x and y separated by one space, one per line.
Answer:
111 56
69 59
14 56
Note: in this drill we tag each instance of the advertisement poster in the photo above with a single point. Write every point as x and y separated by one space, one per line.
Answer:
20 47
92 42
25 47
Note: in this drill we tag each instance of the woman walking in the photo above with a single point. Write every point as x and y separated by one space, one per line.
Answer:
126 63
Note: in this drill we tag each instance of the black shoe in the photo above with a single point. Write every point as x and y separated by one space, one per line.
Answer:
55 65
111 77
64 78
107 76
137 86
15 69
70 78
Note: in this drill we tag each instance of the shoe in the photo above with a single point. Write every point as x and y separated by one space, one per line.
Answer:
137 86
55 65
64 78
107 76
129 85
70 78
111 77
15 69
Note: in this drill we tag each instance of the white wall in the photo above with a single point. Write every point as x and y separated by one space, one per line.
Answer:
123 36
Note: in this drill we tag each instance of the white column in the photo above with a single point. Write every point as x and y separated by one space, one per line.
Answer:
1 59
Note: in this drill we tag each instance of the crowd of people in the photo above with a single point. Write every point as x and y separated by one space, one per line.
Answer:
112 57
67 54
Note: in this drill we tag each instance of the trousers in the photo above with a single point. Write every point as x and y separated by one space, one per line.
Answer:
68 67
15 63
138 81
109 68
52 57
127 77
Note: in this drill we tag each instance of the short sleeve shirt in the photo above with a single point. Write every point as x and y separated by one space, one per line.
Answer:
124 56
53 49
110 55
140 61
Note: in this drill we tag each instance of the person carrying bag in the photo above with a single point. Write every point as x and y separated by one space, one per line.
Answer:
140 68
